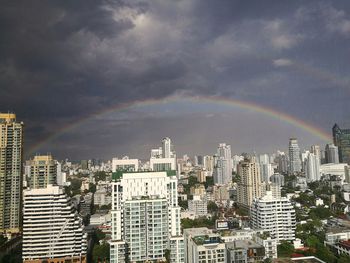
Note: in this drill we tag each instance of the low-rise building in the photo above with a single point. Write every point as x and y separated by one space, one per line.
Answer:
101 197
244 251
336 234
198 205
203 246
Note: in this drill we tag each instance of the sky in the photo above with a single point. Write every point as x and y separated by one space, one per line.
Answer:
68 67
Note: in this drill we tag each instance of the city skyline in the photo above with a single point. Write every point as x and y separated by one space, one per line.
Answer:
76 61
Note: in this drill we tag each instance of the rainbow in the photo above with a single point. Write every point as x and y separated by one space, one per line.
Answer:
194 99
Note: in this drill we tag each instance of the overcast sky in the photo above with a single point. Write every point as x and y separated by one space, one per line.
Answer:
62 61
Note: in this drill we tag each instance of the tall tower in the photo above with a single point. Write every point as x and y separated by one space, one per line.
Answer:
294 156
312 168
223 166
43 171
167 148
249 185
341 138
11 154
316 150
332 155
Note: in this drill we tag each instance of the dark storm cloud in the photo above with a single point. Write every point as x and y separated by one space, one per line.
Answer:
61 61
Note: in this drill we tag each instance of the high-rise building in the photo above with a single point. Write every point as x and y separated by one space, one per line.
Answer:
332 155
42 171
163 159
11 158
316 150
249 184
235 161
277 179
282 162
167 148
275 215
294 156
223 166
266 169
52 231
341 138
145 217
312 168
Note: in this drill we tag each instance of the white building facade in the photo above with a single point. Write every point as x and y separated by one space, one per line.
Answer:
275 215
51 227
145 217
223 165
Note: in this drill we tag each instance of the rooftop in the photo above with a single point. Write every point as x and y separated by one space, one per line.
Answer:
118 174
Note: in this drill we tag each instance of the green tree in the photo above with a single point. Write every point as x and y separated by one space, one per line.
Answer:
312 241
100 235
183 203
92 188
212 207
167 255
100 176
325 254
320 213
209 181
343 258
3 240
101 252
285 249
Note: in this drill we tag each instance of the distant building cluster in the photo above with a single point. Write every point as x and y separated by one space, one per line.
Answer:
210 208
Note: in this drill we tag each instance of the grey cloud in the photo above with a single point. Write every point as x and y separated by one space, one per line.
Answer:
61 61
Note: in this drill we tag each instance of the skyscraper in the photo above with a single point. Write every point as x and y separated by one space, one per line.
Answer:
294 156
249 184
316 150
42 171
312 167
51 228
11 154
341 138
332 155
145 217
223 166
167 148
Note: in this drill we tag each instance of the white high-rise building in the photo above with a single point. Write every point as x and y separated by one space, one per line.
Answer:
316 150
51 227
235 161
223 166
332 155
275 215
266 171
145 217
164 158
167 148
294 156
312 168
